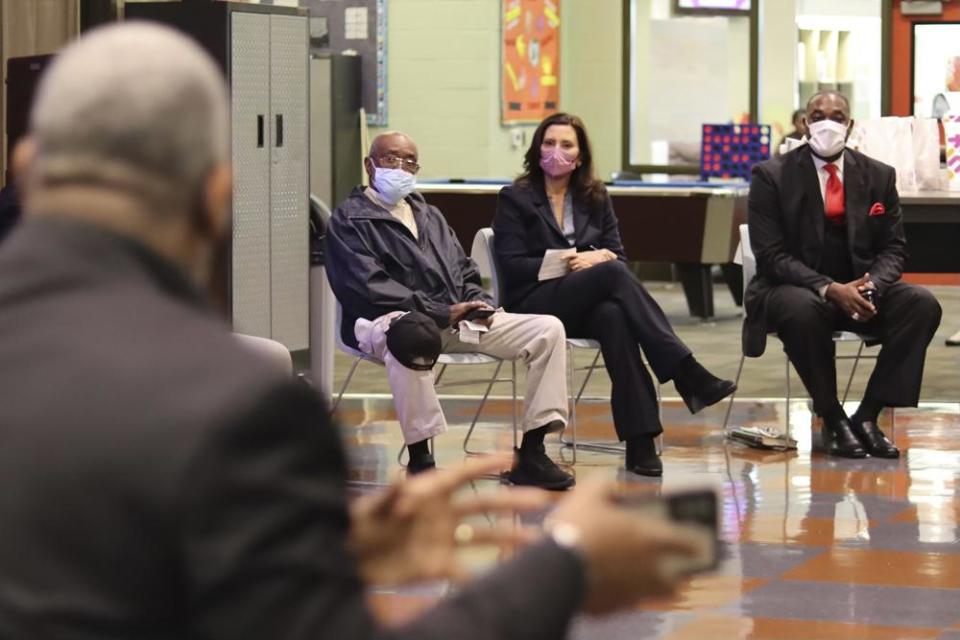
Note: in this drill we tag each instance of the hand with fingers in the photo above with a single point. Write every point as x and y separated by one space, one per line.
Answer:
459 310
586 259
624 551
850 298
411 532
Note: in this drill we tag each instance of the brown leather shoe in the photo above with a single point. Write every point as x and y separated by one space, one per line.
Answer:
838 439
873 439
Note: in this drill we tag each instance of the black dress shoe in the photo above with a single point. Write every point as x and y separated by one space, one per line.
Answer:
650 468
698 387
838 439
642 458
872 439
421 464
534 468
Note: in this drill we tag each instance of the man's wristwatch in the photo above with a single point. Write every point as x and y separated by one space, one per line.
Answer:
567 536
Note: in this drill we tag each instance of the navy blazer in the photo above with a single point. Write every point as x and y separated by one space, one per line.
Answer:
524 228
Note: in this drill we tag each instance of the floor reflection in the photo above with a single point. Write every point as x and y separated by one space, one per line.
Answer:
815 547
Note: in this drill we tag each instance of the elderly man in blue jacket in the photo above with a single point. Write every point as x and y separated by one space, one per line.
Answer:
393 259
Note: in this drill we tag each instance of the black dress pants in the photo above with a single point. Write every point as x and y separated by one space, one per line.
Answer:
608 304
907 318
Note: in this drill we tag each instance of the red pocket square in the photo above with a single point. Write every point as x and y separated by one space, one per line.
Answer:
877 209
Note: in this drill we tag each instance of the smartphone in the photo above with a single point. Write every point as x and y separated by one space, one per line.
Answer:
695 509
479 314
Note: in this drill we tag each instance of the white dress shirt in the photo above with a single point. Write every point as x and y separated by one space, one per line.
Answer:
823 175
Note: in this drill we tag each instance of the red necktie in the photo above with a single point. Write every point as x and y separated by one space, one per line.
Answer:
833 196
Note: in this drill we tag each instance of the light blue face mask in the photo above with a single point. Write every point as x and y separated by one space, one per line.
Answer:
393 185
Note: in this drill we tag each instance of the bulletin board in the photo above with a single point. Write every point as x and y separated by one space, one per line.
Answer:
360 26
530 59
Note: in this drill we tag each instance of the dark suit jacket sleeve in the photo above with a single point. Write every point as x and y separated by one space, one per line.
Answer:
472 284
510 237
360 282
262 524
611 231
767 237
887 267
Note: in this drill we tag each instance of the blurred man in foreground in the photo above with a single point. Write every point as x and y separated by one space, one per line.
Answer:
162 482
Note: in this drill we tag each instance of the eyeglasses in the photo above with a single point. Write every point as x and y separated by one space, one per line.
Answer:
391 161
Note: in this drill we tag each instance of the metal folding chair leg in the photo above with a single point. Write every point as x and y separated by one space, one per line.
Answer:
571 371
726 418
589 369
573 404
573 443
571 366
853 372
786 413
513 408
346 382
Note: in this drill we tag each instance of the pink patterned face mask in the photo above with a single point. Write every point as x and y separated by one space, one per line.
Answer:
556 163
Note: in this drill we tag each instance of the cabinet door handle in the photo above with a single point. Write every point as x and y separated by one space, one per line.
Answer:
279 129
260 120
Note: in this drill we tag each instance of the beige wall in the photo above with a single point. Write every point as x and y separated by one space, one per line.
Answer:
592 47
778 54
443 82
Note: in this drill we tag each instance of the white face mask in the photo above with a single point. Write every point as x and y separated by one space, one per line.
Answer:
393 185
827 138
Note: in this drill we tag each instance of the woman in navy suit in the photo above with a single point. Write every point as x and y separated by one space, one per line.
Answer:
558 203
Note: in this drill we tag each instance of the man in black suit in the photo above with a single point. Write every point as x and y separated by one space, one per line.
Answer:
826 228
161 482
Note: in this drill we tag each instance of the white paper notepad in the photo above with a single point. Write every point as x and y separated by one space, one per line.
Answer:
556 263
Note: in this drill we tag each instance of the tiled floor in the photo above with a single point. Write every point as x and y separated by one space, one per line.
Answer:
816 547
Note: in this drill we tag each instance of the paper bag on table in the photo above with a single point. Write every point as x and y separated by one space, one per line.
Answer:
951 134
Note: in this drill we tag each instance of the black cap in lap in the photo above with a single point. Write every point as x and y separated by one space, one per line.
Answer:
414 340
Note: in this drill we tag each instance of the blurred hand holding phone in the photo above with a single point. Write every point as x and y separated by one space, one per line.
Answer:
635 546
693 510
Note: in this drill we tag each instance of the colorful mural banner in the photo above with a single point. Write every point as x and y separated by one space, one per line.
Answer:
530 55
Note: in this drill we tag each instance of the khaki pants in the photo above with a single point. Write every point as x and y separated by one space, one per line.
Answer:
538 341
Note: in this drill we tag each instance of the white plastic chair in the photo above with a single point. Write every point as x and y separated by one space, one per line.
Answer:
749 270
483 254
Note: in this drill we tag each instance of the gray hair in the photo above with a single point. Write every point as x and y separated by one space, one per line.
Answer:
375 145
133 106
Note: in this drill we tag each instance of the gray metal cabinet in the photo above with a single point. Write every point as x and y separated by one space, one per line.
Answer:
264 52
